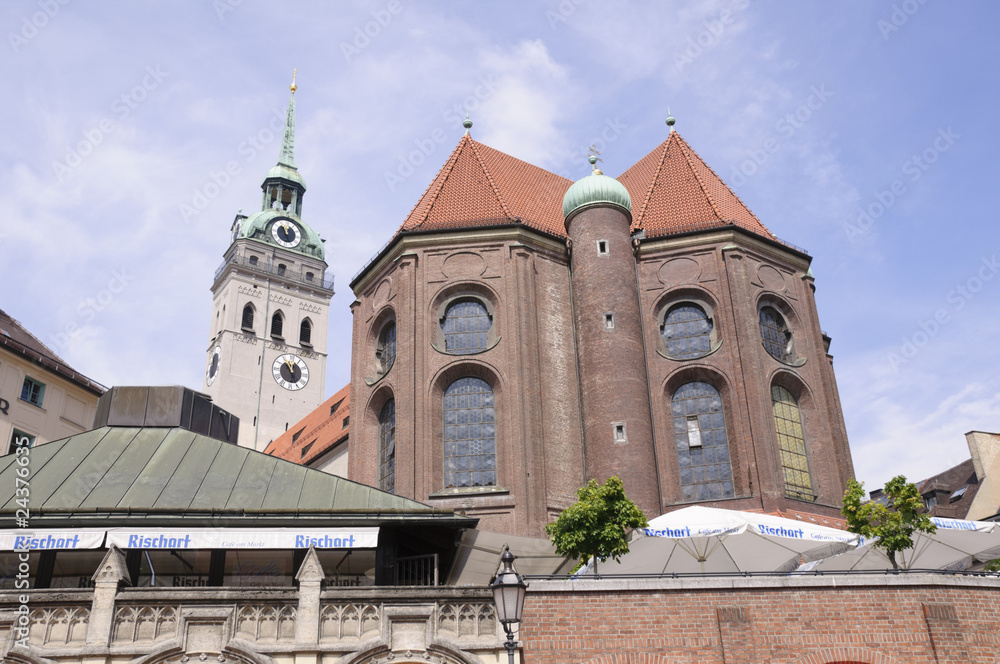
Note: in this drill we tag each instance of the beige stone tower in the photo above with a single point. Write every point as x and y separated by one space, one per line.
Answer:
266 361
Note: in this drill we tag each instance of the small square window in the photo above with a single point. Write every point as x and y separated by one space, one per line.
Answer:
602 247
609 321
618 429
20 439
33 392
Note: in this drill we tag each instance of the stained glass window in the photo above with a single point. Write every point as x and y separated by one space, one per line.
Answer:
687 331
702 444
387 447
466 325
386 352
791 444
469 434
774 333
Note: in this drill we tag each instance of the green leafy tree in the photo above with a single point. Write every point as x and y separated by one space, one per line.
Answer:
596 525
891 525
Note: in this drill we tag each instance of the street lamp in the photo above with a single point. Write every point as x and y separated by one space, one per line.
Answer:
508 594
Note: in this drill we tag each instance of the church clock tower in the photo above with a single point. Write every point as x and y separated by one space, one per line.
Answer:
266 361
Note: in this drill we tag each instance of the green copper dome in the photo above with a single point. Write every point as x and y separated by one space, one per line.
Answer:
593 189
259 226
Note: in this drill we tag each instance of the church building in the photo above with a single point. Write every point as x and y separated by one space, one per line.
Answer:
523 333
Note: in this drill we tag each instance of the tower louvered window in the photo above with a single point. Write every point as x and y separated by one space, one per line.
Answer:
305 333
247 323
276 324
791 444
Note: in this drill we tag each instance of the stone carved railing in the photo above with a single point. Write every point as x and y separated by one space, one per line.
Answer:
266 622
145 624
348 621
57 626
468 619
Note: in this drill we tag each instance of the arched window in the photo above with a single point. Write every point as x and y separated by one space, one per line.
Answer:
247 323
281 269
466 325
791 444
687 331
387 447
277 320
305 333
702 443
469 434
385 352
775 334
253 260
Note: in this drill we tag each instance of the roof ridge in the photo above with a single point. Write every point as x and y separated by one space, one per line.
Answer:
489 178
439 181
735 195
694 171
652 182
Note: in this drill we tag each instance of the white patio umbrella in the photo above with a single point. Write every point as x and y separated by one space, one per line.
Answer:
706 540
956 545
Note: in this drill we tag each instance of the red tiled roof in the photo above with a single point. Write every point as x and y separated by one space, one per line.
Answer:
480 186
317 432
673 190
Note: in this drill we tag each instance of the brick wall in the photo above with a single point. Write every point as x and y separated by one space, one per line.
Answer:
903 619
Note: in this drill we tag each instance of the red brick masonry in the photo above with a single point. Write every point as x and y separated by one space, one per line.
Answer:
866 619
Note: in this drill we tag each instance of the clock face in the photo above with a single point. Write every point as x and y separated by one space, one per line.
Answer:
213 366
290 371
286 233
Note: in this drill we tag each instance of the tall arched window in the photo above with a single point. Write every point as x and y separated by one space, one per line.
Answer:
247 321
385 352
469 434
702 444
277 321
387 447
775 334
791 444
466 325
687 331
305 333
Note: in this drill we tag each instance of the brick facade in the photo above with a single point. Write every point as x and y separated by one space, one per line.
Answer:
563 381
818 620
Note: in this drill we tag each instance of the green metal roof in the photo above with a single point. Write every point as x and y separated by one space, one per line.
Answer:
258 227
595 189
128 474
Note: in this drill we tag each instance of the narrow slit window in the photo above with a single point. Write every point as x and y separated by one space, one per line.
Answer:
602 247
619 432
609 321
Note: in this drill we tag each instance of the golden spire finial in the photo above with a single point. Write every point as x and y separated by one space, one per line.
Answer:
293 87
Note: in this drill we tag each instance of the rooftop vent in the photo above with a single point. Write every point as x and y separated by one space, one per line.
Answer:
166 406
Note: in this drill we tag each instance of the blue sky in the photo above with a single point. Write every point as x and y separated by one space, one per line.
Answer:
862 131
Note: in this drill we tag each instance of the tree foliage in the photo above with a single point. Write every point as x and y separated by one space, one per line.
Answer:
891 525
596 525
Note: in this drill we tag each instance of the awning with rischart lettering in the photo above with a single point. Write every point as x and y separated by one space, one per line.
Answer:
28 539
262 538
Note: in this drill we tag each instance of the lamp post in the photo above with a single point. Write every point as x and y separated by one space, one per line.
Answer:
508 594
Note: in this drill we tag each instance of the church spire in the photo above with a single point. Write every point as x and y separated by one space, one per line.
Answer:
287 156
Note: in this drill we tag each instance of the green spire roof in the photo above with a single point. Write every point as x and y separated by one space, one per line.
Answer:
286 169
